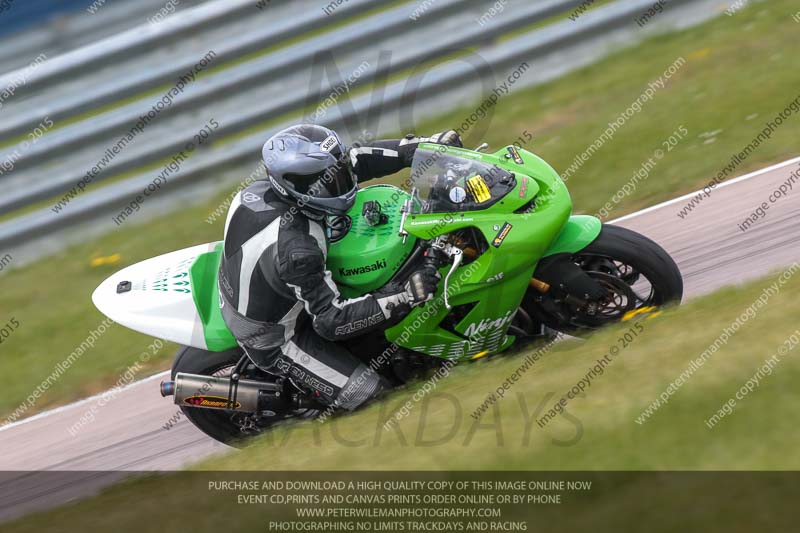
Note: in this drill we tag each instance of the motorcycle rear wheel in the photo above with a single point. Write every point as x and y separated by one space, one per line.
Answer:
229 427
217 424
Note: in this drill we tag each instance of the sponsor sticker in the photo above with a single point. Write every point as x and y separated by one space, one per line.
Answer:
523 188
501 235
496 277
437 221
210 401
458 195
512 150
478 189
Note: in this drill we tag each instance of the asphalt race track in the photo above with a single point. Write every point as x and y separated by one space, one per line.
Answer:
128 432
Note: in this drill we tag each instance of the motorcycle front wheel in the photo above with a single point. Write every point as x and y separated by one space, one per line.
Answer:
636 273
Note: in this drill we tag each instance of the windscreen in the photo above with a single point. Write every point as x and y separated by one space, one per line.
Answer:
447 183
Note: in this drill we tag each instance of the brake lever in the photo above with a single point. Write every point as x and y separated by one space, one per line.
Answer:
458 256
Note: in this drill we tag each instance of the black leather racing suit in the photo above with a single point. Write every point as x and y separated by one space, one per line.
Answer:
280 301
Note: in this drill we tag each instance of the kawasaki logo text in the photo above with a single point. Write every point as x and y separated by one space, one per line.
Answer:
377 265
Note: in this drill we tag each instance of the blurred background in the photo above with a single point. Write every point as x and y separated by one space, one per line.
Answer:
102 97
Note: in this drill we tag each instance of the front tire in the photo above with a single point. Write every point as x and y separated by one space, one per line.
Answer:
641 254
635 272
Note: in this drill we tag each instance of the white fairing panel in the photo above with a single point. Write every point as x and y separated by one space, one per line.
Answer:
160 302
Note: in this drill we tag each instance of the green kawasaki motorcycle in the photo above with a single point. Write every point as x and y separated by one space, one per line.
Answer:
516 267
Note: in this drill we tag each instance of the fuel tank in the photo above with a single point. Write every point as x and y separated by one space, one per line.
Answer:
365 246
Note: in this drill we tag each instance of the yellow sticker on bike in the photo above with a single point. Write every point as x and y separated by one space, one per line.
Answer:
478 189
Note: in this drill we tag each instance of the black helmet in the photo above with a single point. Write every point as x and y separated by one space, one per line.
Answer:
308 167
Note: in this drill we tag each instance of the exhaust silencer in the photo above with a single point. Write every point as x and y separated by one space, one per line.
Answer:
211 392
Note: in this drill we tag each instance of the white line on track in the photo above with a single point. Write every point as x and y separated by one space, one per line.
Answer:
720 186
90 399
56 410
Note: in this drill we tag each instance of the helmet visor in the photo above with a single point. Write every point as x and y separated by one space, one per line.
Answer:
334 182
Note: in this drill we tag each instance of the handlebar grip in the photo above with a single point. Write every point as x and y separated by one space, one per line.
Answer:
430 262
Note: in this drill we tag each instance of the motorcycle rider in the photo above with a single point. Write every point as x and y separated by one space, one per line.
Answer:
277 296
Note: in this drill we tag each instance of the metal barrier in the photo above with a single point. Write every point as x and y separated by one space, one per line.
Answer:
502 56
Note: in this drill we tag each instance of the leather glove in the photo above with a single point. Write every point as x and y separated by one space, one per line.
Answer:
449 138
408 145
422 284
397 300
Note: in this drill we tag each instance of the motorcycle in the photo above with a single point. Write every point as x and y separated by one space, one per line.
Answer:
516 265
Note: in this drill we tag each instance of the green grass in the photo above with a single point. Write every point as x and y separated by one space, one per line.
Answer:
600 433
737 67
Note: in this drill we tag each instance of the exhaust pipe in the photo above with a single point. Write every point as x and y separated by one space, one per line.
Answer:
212 392
167 388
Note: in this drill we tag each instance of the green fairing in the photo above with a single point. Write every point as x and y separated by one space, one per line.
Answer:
493 284
368 256
203 278
578 233
496 282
